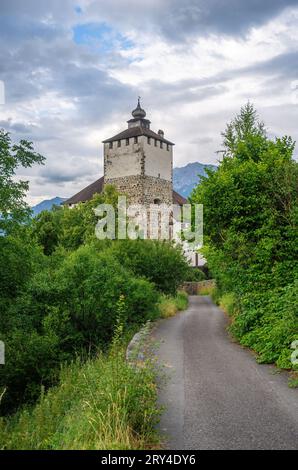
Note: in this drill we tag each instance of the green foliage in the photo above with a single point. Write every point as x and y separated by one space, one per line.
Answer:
65 295
13 156
70 227
67 311
194 275
268 324
228 303
87 288
181 300
160 262
168 306
250 227
102 403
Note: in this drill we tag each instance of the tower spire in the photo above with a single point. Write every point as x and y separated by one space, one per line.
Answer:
138 112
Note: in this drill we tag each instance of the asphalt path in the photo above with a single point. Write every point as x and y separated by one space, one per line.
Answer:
215 394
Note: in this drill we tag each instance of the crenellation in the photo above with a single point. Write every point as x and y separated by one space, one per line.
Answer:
140 166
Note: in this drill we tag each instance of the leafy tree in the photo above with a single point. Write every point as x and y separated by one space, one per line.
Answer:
71 227
12 193
242 128
160 262
250 226
69 308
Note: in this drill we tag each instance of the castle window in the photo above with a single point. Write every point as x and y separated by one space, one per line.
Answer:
110 145
136 140
127 141
155 142
161 144
168 147
119 143
149 140
157 201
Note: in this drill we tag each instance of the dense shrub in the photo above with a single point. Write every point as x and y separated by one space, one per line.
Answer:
160 262
268 323
70 227
66 312
250 228
195 275
169 306
86 289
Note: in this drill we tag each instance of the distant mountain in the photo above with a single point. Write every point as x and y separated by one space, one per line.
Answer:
188 176
47 205
184 180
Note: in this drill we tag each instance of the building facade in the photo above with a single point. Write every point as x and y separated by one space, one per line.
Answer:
139 162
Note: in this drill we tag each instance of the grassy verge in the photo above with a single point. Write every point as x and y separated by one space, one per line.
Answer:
169 306
266 322
227 302
293 381
100 404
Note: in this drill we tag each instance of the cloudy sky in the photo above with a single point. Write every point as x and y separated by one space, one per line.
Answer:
73 69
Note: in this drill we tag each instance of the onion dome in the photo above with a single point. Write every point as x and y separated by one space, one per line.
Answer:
139 113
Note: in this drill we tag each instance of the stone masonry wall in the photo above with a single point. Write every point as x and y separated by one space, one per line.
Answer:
140 170
143 189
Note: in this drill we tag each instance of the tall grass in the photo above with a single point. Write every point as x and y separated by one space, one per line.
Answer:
100 404
227 303
169 306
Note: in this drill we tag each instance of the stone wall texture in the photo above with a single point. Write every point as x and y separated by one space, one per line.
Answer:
141 171
145 190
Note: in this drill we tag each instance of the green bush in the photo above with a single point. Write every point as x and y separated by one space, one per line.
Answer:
168 306
194 275
88 286
31 360
271 328
228 303
65 312
160 262
250 229
19 260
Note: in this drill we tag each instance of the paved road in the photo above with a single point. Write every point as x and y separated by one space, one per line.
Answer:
216 395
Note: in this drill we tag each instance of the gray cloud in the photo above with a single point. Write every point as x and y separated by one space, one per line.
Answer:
62 95
69 172
180 20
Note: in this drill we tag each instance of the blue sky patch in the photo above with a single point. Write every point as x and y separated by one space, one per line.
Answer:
78 10
100 37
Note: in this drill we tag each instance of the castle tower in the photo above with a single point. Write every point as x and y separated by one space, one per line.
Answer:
139 162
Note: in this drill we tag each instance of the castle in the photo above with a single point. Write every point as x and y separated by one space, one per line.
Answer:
139 163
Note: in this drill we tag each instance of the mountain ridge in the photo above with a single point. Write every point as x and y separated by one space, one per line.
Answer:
185 179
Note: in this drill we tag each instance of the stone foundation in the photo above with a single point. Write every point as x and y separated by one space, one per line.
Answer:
143 189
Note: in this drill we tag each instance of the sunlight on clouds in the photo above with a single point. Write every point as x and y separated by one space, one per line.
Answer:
205 57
